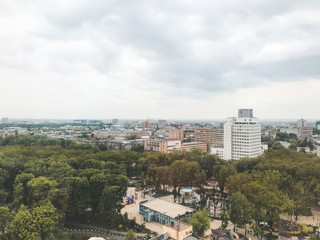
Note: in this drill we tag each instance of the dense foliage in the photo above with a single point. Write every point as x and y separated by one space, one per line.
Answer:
76 185
77 182
200 222
277 182
44 182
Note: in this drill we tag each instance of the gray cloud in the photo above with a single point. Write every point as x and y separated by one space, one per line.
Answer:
172 48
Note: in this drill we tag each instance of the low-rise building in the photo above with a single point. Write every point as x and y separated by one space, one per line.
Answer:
217 151
178 230
221 234
289 130
162 145
163 211
188 146
213 137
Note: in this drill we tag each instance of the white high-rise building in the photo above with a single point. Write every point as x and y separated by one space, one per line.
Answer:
242 136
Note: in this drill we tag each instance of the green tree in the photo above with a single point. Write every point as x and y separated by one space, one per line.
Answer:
222 173
268 202
5 218
277 146
130 235
257 231
42 188
46 219
23 227
21 193
3 196
240 211
39 222
200 222
224 219
293 146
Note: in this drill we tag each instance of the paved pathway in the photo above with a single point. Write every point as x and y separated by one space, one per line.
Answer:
99 233
133 211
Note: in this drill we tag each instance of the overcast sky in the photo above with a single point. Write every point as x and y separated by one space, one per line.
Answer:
176 59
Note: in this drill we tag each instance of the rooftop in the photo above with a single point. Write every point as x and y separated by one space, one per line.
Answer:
192 143
221 233
178 225
167 208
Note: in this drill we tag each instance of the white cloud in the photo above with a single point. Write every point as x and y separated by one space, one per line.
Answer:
70 59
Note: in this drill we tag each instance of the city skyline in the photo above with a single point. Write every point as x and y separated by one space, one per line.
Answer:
104 60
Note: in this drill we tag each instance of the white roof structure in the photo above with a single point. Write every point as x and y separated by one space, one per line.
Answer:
167 208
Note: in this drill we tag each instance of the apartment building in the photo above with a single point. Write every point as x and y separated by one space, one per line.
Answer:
242 137
188 146
213 137
176 134
305 133
162 145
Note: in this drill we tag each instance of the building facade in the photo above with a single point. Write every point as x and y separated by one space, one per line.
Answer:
178 230
188 146
217 151
301 123
162 145
211 136
176 134
242 138
162 123
163 211
305 133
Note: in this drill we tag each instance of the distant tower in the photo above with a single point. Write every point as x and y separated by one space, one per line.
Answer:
304 131
242 136
301 123
148 123
162 123
5 120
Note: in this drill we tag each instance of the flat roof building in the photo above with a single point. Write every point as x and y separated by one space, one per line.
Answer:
211 136
188 146
162 145
217 151
178 230
176 134
163 211
221 234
